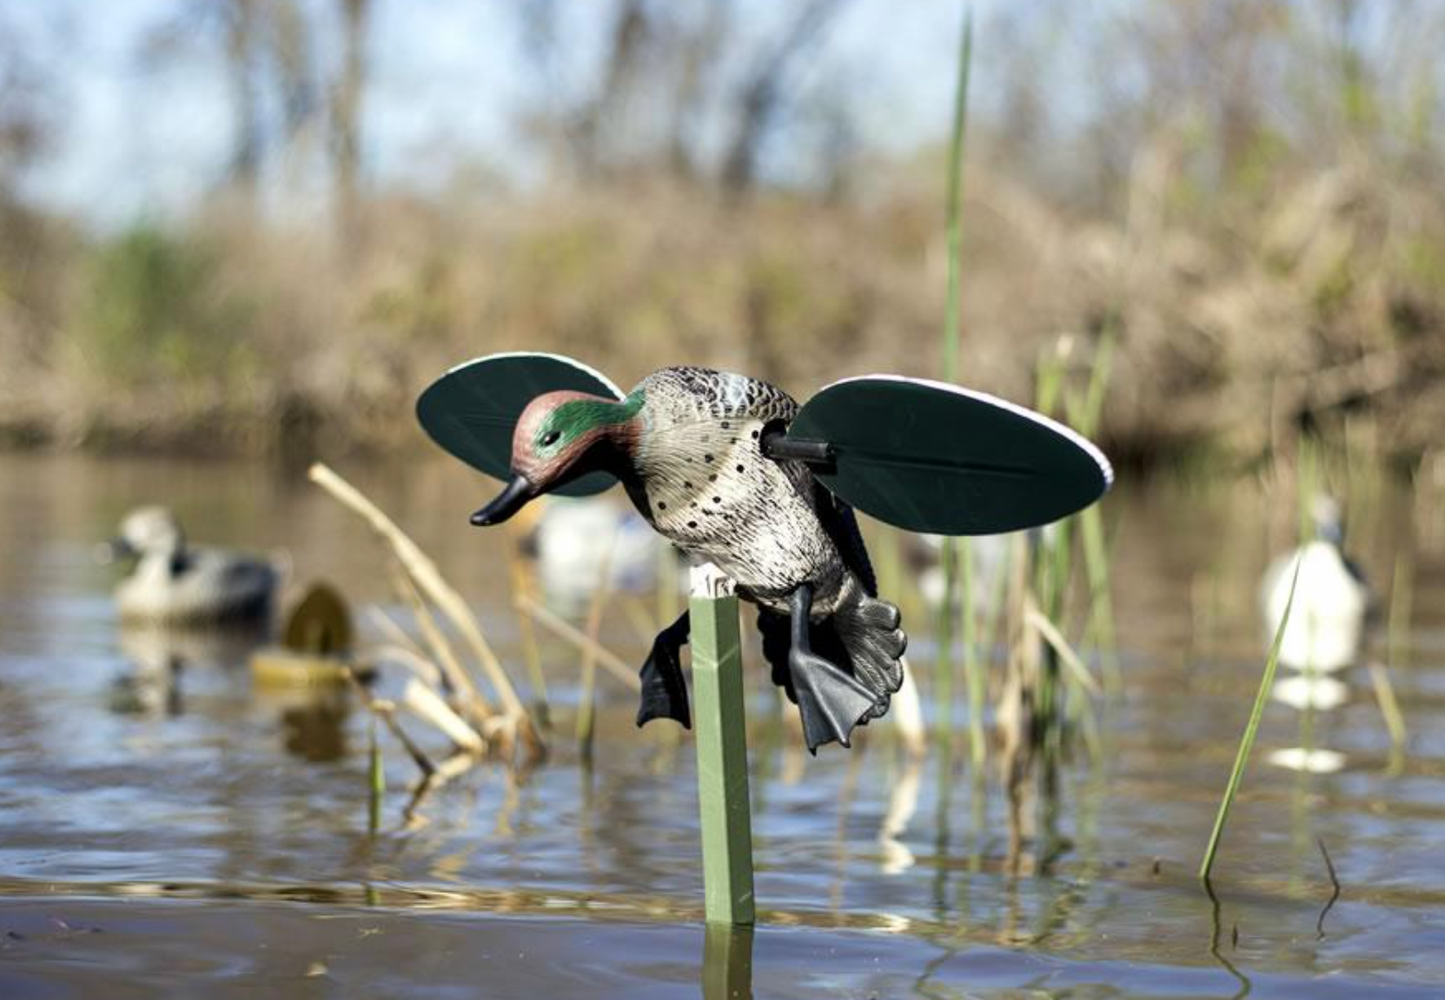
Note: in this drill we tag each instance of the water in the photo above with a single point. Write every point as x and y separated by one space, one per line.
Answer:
167 829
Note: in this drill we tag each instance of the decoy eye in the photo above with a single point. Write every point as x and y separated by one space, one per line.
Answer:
551 439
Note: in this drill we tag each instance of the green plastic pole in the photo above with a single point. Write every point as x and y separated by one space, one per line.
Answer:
722 753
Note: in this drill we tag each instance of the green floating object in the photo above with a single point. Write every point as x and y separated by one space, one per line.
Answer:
928 456
472 409
320 623
722 758
313 647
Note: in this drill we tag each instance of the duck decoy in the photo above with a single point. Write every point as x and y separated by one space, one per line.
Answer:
173 583
578 540
731 470
1331 599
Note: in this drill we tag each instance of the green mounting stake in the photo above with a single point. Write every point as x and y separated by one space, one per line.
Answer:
722 752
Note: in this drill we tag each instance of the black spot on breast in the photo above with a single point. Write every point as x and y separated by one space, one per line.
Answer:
725 425
717 499
712 478
686 485
740 468
662 505
707 458
692 524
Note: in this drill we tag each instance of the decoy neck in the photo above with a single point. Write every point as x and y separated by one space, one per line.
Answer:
560 437
1328 522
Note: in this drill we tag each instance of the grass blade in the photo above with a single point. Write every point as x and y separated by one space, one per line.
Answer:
1247 741
943 684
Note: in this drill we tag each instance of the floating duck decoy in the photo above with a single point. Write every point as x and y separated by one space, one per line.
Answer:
1326 621
731 470
576 539
176 584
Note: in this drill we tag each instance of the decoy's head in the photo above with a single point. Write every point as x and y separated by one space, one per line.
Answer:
148 530
560 437
1328 519
145 531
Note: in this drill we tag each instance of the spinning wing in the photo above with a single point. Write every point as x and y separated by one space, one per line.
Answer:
472 409
927 456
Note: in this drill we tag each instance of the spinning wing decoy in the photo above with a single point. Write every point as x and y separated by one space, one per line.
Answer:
731 471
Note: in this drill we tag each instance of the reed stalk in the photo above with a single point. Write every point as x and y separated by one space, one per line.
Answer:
1246 743
972 667
606 659
375 777
523 583
1085 412
1401 595
952 333
587 699
428 579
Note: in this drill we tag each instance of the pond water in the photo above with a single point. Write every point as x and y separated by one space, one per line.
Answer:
168 829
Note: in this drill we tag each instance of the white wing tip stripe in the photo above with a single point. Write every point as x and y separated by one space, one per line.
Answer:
542 354
1091 449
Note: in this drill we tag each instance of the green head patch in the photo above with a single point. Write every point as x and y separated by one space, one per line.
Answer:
572 419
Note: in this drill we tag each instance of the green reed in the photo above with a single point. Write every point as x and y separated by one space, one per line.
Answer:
1246 743
972 666
375 776
1084 412
952 333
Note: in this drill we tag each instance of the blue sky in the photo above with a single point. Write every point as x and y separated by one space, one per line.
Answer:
447 80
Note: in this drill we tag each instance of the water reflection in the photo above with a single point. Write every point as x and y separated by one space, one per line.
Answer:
160 656
727 962
871 871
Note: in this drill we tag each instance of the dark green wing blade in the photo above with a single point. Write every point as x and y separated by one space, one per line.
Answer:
471 410
927 456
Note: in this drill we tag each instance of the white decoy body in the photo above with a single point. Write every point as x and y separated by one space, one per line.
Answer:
1326 621
175 584
575 539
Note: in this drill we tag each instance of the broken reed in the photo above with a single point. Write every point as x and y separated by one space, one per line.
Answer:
952 333
1246 742
442 690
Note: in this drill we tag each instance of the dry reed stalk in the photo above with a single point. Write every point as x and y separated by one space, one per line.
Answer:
426 704
523 583
406 657
429 581
443 655
587 701
1050 633
908 715
385 710
388 627
606 659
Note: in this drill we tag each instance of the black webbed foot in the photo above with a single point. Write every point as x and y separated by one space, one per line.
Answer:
664 691
830 701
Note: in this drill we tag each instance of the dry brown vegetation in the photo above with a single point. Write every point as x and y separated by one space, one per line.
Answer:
1263 271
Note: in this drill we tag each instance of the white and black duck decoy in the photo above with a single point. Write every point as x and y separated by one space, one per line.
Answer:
1331 599
173 583
731 470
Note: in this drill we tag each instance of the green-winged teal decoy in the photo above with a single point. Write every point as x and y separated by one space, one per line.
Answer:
731 470
174 583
